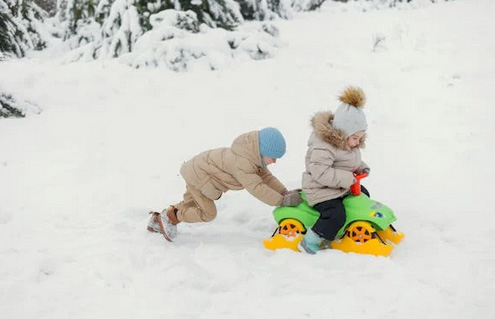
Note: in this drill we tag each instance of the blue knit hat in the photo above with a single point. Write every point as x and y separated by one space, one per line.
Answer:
272 143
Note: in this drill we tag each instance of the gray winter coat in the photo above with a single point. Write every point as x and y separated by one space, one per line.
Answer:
330 163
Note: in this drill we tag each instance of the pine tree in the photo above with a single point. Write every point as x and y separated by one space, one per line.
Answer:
18 32
75 14
122 27
113 26
49 6
265 9
11 107
6 44
8 107
308 5
223 14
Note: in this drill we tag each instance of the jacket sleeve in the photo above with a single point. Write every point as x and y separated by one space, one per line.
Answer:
320 168
254 184
272 181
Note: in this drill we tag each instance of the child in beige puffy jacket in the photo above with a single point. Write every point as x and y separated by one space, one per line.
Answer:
210 174
332 158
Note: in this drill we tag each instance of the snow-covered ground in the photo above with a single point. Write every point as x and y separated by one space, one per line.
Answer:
77 180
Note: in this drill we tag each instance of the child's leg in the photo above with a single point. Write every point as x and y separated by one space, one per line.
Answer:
332 218
195 207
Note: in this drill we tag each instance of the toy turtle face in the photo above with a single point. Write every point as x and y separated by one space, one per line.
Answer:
377 210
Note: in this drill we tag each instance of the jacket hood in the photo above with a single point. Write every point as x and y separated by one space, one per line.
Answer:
322 126
247 146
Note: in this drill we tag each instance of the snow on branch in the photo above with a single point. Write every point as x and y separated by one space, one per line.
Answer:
11 107
178 42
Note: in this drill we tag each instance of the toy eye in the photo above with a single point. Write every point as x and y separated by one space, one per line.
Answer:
378 215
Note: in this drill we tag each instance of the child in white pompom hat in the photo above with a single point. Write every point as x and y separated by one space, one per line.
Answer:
332 159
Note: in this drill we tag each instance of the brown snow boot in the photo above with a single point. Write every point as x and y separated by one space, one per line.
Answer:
172 215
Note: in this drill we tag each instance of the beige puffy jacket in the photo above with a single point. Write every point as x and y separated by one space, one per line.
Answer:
234 168
330 163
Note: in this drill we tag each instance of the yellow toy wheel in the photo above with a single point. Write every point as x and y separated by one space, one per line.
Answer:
361 232
291 228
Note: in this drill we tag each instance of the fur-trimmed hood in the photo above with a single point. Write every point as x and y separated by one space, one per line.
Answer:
322 126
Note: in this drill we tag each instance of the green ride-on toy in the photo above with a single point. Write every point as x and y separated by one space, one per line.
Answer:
367 230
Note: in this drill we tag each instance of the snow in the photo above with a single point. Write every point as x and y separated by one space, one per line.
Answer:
77 180
170 45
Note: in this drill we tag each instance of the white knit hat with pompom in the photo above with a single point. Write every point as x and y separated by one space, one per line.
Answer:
349 116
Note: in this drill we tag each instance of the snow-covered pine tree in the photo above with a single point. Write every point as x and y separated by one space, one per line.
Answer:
215 13
18 27
113 26
121 28
11 107
8 106
307 5
103 27
265 9
75 15
49 6
223 14
5 28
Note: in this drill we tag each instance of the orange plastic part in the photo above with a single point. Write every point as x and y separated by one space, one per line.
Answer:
356 187
290 234
371 247
280 241
391 235
359 238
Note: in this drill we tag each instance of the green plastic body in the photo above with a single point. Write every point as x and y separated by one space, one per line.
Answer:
358 208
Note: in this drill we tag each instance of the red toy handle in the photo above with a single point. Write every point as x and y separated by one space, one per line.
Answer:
356 187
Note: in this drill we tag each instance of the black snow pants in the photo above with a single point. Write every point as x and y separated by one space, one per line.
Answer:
332 216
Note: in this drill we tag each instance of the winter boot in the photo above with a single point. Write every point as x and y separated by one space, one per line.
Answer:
311 242
164 223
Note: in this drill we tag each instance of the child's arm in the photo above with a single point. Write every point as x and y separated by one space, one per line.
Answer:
272 181
253 183
320 168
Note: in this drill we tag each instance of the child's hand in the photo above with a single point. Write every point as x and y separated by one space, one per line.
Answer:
297 190
292 198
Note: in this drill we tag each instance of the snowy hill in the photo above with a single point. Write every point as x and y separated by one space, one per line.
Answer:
77 180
